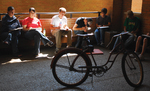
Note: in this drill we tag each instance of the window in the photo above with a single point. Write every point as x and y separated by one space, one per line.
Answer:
136 6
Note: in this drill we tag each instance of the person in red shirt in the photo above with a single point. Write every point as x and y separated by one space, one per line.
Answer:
32 27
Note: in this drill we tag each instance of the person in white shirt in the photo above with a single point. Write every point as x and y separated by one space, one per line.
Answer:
59 28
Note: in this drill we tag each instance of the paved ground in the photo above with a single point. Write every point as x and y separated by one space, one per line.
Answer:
29 74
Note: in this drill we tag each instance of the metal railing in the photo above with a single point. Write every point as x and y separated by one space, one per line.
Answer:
53 13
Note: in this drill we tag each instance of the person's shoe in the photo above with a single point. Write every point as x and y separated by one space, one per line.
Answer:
98 44
136 52
68 46
102 44
6 42
50 44
141 56
57 50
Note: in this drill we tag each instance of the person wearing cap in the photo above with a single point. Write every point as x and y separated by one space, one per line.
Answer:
81 27
131 25
101 21
59 28
32 30
9 23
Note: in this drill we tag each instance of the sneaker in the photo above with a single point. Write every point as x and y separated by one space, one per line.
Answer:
131 55
50 44
57 50
135 52
98 44
6 42
68 46
102 43
141 56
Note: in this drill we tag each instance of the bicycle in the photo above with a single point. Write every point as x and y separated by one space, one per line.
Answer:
72 66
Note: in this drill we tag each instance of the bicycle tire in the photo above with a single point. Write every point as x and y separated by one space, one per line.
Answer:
65 76
132 69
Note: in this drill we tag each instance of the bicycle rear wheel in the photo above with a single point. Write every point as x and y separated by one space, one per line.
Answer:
132 69
66 71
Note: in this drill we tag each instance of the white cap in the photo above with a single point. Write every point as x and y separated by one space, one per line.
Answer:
62 9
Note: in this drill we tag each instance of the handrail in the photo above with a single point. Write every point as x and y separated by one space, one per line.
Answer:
52 13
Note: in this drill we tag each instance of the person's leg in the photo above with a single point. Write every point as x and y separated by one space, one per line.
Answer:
37 44
6 37
101 36
97 36
44 39
138 42
14 43
79 40
32 35
69 38
58 35
144 46
116 42
129 40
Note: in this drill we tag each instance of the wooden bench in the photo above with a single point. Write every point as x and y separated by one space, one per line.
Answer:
23 43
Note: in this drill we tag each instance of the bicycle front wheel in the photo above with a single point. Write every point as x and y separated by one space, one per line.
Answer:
70 67
132 69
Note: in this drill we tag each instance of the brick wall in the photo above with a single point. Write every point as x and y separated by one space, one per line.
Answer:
116 9
146 16
53 6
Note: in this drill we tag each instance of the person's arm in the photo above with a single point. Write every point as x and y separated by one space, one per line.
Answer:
98 25
53 28
134 32
148 34
25 28
6 22
125 29
83 28
108 20
107 24
66 27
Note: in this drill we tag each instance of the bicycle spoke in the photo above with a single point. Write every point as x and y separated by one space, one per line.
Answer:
132 69
66 68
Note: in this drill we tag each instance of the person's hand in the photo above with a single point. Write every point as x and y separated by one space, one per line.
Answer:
18 17
99 26
148 34
67 29
30 28
58 27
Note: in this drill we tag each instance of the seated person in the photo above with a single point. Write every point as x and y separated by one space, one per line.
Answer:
131 25
80 27
32 28
101 21
9 23
59 28
145 43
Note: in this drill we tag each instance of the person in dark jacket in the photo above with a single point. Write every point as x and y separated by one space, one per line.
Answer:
9 31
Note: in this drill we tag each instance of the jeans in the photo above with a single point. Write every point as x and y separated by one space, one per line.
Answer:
99 34
36 36
127 39
80 38
12 38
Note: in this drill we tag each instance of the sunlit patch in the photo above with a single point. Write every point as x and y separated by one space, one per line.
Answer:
69 54
13 61
18 60
41 55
